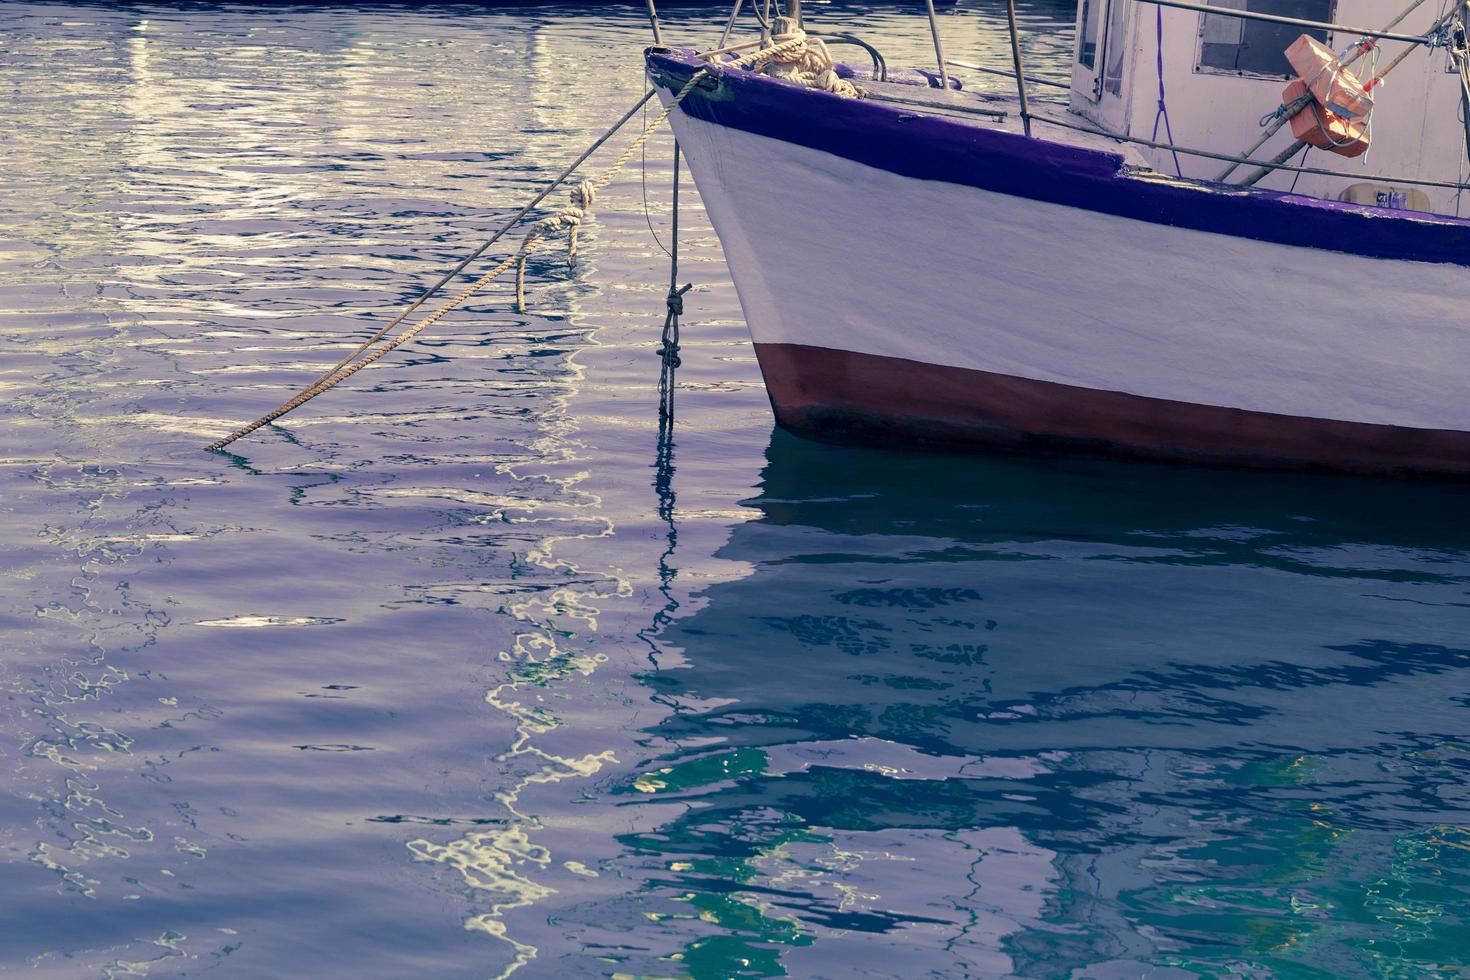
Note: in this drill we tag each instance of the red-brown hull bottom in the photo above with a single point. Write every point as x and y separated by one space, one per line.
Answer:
842 396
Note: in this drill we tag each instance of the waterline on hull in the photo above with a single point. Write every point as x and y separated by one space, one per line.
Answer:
843 396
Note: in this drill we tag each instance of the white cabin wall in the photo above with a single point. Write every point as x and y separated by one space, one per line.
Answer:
1114 111
1416 130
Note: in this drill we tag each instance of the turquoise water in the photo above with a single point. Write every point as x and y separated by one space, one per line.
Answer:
460 672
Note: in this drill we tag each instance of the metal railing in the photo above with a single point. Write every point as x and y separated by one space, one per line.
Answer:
1313 25
1434 37
985 70
1247 161
1431 39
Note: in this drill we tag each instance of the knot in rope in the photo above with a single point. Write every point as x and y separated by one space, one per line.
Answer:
797 57
568 219
668 350
829 81
584 194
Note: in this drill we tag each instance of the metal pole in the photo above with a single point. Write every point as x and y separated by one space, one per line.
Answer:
1315 25
1210 155
1290 109
997 114
955 62
658 38
730 24
938 45
1462 68
1294 108
1016 60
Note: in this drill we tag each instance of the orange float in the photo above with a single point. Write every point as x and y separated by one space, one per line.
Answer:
1336 118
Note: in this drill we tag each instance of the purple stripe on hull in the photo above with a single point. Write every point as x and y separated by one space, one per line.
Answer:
905 142
847 397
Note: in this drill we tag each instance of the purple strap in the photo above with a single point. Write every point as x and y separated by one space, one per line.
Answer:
1163 113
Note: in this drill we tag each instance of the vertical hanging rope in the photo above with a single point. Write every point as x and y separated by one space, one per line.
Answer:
663 464
1163 113
663 461
668 350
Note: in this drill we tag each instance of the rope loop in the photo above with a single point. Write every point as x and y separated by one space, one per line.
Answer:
568 219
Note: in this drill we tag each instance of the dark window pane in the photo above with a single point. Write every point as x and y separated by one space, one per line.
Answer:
1233 44
1118 32
1087 50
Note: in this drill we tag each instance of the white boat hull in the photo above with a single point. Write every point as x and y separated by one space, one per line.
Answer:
885 305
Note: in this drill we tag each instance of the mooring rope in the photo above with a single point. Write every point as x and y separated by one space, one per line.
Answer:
515 219
792 48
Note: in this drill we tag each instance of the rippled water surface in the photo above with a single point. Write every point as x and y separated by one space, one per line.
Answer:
458 672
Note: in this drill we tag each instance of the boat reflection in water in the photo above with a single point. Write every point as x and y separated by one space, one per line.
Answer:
989 717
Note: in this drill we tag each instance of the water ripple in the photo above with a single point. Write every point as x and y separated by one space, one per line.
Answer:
462 671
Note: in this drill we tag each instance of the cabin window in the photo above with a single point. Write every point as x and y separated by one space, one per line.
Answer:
1116 48
1254 47
1091 22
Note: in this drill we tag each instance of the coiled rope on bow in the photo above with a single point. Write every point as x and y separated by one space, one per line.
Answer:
794 57
808 62
790 49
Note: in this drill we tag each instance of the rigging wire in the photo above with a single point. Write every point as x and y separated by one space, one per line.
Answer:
1301 163
643 173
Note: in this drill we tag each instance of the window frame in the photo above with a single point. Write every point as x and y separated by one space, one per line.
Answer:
1120 16
1200 68
1093 73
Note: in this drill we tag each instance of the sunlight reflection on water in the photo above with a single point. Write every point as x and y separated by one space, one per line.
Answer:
461 650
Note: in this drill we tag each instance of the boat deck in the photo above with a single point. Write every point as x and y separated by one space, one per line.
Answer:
1056 123
1003 113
